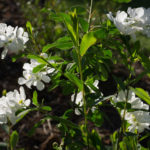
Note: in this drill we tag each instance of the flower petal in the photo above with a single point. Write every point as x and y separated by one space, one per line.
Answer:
40 86
46 79
4 52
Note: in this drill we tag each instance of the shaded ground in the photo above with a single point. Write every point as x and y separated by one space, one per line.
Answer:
46 134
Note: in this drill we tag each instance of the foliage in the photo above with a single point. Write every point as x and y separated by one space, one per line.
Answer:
72 51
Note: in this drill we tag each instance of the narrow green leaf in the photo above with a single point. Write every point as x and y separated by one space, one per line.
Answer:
46 108
71 32
63 39
104 73
37 58
55 58
63 43
29 27
38 68
142 94
14 139
35 99
75 80
22 114
87 41
47 47
144 137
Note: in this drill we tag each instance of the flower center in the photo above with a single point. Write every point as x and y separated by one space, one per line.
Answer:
21 101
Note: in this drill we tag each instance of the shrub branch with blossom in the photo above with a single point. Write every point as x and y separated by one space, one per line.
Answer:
83 69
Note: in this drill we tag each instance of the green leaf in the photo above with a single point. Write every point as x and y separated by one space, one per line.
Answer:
37 58
63 43
97 118
84 24
142 94
96 140
122 105
38 68
75 80
29 27
145 61
55 17
144 137
88 40
104 73
67 114
107 54
139 77
35 99
55 58
119 82
46 108
67 87
47 47
71 32
23 114
14 139
100 34
65 17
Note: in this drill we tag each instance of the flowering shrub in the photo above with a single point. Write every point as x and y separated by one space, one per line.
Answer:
86 57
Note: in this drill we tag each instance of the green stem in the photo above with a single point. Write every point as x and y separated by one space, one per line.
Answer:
83 90
9 134
90 14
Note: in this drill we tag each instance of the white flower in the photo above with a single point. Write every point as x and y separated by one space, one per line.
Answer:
138 120
136 102
18 99
11 103
3 109
136 20
12 39
122 22
36 79
78 99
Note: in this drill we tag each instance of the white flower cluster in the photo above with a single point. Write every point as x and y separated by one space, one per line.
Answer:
136 20
36 79
12 39
11 103
139 119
